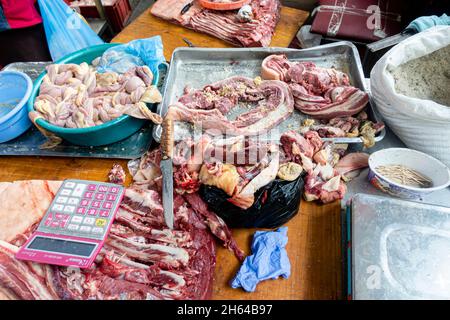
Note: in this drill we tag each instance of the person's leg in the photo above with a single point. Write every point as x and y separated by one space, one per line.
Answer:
20 45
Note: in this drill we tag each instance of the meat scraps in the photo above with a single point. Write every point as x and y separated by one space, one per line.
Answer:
238 165
322 181
141 258
209 106
320 92
76 96
348 126
256 31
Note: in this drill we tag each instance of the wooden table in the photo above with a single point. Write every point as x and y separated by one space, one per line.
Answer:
314 233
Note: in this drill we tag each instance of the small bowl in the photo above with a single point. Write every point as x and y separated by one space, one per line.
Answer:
15 90
434 169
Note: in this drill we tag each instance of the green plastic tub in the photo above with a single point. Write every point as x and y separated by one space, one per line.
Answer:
107 133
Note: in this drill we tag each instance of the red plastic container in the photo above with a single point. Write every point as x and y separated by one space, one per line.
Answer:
117 11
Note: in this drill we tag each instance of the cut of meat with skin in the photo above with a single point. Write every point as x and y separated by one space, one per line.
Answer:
225 25
171 9
209 106
341 102
275 67
352 161
208 119
323 93
32 197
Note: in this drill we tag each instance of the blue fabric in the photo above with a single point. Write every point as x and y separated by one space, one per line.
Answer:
269 260
64 29
423 23
135 53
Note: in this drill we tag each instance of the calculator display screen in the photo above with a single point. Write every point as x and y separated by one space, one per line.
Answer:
62 246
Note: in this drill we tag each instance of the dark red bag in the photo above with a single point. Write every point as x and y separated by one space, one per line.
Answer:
363 20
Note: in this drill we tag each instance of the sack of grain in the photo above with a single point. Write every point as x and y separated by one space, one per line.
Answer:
411 88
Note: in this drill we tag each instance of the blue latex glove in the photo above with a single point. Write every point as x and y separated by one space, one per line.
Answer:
268 261
423 23
138 52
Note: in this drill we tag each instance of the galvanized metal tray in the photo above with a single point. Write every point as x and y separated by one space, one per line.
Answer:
28 143
197 67
399 249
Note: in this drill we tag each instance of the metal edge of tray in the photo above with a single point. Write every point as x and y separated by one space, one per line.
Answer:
373 114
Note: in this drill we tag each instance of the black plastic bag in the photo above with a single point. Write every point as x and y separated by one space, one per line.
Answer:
275 204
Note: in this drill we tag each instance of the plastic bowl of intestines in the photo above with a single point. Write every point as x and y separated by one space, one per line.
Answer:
435 170
103 134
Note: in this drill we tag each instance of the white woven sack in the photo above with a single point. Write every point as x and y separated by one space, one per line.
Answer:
423 125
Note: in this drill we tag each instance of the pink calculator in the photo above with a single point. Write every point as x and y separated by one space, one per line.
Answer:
74 228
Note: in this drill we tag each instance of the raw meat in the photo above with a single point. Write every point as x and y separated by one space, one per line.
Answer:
141 259
319 92
117 174
349 126
226 25
209 106
18 280
351 163
215 223
31 197
75 96
322 181
236 165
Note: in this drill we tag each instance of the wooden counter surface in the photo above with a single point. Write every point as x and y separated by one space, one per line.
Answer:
314 233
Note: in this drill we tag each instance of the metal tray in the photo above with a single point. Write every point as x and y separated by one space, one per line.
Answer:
399 249
28 143
197 67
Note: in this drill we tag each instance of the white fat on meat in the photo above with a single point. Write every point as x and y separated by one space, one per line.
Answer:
179 280
31 286
352 161
160 253
273 118
333 184
307 163
246 197
326 172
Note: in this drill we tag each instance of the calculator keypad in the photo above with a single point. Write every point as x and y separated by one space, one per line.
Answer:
82 208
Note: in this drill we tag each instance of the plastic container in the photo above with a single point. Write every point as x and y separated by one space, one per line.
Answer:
432 168
15 90
107 133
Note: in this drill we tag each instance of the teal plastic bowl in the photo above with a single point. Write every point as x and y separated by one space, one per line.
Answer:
106 133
